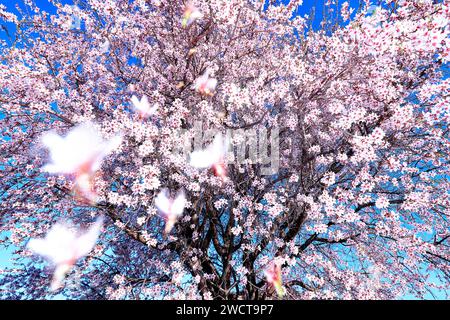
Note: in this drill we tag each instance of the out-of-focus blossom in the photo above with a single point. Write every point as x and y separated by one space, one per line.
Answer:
62 246
191 13
170 208
143 106
211 157
273 277
84 187
79 153
205 85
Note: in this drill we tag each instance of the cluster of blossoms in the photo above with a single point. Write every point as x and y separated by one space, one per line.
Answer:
96 99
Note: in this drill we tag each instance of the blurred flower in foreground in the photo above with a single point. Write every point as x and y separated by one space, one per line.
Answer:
143 107
211 157
79 153
273 277
191 13
205 85
63 247
171 208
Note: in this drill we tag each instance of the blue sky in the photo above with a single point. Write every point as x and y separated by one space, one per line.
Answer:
5 254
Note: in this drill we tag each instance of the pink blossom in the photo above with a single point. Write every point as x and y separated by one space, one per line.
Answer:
143 107
191 13
63 247
170 208
205 85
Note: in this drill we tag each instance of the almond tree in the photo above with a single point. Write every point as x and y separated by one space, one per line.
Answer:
358 208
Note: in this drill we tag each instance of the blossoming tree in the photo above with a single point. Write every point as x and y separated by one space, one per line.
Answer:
358 208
